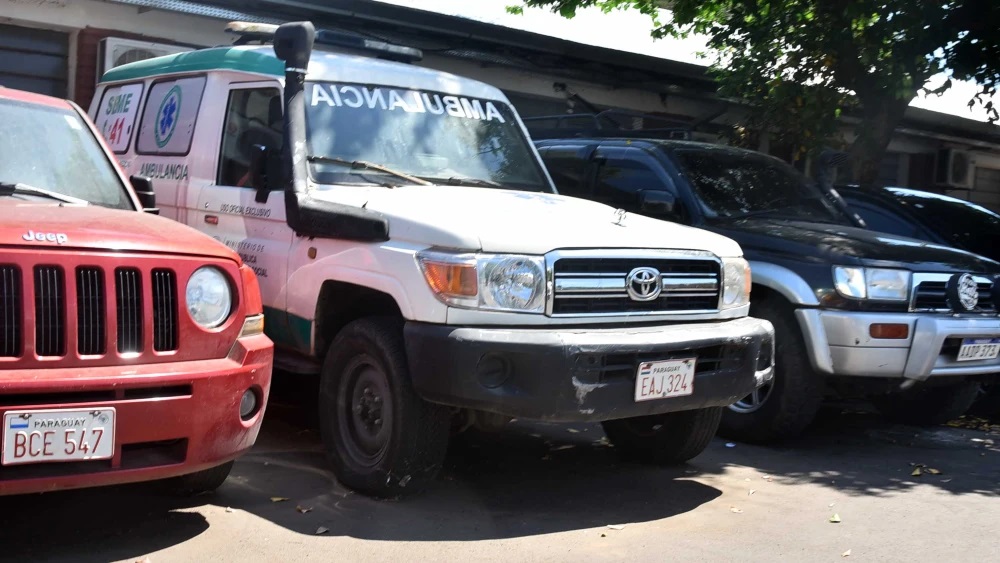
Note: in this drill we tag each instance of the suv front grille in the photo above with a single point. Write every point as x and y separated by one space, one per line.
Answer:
50 311
585 286
10 312
56 332
930 294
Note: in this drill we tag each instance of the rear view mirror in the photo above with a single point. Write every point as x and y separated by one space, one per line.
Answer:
657 203
143 187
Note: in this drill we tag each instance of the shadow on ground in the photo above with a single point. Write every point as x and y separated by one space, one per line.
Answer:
863 454
532 479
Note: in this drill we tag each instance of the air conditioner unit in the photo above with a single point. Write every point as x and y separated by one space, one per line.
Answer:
953 168
115 51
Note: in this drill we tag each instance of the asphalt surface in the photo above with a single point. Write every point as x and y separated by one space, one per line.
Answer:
554 493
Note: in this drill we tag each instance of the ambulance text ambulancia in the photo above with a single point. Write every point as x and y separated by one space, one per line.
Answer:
410 247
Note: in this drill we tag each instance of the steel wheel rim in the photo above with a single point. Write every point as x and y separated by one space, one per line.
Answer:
755 400
365 413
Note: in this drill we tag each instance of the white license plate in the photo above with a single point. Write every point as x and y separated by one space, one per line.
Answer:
664 379
979 349
37 436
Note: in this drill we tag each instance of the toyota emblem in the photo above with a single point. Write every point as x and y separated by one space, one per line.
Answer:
643 284
963 292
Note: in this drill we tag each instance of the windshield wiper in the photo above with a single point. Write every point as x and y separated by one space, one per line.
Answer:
19 188
365 165
464 181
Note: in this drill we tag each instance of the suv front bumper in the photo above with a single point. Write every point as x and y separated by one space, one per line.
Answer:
840 343
584 374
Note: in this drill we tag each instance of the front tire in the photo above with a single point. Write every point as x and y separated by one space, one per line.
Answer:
928 405
380 436
787 405
664 439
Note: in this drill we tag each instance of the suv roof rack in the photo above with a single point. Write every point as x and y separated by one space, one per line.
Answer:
607 123
263 33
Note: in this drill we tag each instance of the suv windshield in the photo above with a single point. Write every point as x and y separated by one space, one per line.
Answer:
53 149
430 135
733 185
966 225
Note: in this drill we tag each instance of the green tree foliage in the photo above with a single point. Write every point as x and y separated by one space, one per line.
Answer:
800 63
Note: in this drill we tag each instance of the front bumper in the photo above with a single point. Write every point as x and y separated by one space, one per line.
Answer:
171 418
584 374
840 344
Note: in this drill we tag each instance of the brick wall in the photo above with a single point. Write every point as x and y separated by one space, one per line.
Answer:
87 49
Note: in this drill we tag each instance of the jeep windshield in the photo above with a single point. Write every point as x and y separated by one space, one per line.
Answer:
441 138
737 184
47 152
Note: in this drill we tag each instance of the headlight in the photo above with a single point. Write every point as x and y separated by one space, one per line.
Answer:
735 283
209 297
500 282
872 283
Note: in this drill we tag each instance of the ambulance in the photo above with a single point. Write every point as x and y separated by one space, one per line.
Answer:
411 250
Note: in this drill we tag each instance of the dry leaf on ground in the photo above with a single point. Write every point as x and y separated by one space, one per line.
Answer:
279 499
846 553
321 530
303 509
835 519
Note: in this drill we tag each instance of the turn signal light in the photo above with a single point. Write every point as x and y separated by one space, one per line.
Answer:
457 280
889 330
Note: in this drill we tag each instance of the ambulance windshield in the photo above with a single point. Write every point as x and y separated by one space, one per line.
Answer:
438 137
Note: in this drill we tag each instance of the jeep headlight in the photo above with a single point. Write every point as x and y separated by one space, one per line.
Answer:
209 297
872 283
495 282
735 283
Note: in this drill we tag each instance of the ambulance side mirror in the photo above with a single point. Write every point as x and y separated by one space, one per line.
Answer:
258 172
143 187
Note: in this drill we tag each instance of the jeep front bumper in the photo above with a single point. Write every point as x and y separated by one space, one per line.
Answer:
840 343
584 374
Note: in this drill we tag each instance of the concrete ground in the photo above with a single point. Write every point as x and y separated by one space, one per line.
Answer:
555 493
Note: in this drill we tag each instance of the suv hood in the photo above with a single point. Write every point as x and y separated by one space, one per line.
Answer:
99 228
845 245
507 221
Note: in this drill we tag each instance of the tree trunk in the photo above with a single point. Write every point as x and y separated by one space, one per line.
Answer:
880 116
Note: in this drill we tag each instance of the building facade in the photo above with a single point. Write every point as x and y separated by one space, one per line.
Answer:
61 47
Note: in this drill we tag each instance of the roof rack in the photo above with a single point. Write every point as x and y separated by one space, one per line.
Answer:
263 33
607 123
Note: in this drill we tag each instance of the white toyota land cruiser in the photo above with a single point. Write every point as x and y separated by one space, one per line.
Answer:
416 255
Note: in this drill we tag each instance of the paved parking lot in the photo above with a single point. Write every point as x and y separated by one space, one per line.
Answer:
550 492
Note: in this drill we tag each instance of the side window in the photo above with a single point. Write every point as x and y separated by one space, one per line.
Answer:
619 182
116 115
885 221
568 171
253 117
169 116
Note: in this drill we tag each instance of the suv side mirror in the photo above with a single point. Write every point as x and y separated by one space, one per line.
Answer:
657 203
258 172
143 187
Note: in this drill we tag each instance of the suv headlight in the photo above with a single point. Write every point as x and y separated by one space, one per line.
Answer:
209 297
495 282
735 283
872 283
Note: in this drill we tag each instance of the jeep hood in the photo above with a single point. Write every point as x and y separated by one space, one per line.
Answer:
506 221
845 245
99 228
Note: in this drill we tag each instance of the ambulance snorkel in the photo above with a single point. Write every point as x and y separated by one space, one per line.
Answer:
307 216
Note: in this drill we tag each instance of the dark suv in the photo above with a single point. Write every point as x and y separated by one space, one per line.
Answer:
907 323
927 216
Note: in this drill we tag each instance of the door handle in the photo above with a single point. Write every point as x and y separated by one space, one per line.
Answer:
212 219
